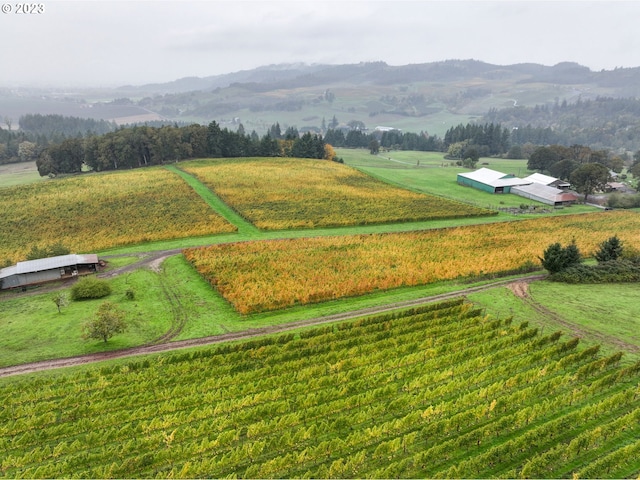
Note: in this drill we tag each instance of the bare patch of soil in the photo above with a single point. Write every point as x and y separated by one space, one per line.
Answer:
520 289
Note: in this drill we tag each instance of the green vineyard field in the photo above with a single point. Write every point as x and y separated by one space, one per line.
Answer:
437 391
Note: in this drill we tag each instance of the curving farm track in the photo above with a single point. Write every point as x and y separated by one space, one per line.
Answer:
164 343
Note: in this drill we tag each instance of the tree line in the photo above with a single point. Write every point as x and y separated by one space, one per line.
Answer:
141 146
39 131
59 126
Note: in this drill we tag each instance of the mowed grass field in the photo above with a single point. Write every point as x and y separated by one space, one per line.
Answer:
257 276
279 194
18 174
429 172
99 211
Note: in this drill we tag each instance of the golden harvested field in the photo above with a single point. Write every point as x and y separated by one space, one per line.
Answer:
283 193
100 211
269 275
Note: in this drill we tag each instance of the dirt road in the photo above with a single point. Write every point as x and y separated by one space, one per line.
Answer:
166 345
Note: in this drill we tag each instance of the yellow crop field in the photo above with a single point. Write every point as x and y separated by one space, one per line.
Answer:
268 275
96 212
283 193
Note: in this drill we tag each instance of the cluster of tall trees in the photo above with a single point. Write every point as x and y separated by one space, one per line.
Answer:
392 139
588 170
18 146
561 161
488 139
38 131
141 146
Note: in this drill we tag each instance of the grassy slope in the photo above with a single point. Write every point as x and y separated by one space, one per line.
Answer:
33 329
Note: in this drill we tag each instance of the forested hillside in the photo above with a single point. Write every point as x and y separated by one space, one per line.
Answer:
565 104
600 123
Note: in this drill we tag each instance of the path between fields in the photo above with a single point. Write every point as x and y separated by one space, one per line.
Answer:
163 344
521 290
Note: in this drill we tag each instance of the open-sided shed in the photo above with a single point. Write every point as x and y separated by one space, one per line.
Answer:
43 270
545 194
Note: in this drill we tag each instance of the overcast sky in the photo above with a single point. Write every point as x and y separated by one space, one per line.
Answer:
105 43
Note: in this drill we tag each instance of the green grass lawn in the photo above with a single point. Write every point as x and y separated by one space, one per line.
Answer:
18 174
32 329
613 309
437 176
606 309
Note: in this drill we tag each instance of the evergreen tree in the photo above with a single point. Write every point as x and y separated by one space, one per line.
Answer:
610 249
557 258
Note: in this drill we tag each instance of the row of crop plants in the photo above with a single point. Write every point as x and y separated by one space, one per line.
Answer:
101 211
96 212
437 391
285 193
269 275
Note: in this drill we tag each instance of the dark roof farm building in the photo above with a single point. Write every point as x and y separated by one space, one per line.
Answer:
32 272
490 180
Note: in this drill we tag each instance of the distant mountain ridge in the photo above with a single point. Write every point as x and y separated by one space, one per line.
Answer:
426 97
379 73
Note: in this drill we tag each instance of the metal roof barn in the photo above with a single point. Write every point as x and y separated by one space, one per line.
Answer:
547 180
42 270
490 181
545 194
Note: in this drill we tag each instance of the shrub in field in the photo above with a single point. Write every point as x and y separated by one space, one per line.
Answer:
617 200
605 272
90 287
558 258
44 252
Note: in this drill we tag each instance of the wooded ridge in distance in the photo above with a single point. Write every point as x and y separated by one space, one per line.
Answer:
597 109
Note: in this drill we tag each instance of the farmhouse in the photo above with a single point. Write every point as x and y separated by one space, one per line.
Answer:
32 272
545 194
491 181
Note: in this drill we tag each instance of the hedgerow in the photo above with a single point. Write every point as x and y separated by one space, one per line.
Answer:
613 271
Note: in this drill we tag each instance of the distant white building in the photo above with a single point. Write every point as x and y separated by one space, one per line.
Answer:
382 129
548 181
